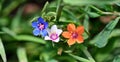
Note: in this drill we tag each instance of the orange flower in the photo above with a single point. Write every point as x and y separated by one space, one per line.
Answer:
74 34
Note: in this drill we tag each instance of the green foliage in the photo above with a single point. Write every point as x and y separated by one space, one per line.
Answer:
101 40
2 51
117 59
88 2
21 52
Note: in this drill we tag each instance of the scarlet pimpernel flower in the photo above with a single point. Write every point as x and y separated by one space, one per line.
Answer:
73 34
53 34
40 27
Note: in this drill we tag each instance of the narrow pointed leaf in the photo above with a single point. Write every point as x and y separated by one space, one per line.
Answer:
117 59
2 51
102 38
30 38
22 56
89 2
86 23
79 58
15 25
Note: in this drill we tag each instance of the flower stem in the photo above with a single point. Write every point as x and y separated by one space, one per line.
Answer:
59 9
85 51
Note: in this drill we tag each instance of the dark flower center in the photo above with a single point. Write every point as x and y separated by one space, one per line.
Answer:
74 35
54 36
41 26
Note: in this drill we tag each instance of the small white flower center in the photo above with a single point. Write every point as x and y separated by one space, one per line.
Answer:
54 36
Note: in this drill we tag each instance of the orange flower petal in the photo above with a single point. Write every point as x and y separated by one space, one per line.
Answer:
80 29
80 39
71 41
66 34
71 27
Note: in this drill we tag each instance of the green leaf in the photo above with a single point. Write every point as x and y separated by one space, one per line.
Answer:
23 37
30 38
102 38
1 2
16 21
86 23
79 58
114 33
9 32
2 32
22 56
45 7
93 14
11 7
4 21
70 14
89 2
59 9
2 51
118 4
117 59
86 27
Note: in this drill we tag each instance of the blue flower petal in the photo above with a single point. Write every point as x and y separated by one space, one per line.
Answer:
34 24
40 20
36 32
43 32
46 24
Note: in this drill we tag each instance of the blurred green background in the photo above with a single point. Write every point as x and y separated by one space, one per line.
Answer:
96 16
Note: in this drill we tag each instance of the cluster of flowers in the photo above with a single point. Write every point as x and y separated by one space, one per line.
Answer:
73 34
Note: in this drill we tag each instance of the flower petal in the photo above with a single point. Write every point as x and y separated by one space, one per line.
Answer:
80 39
47 38
40 20
71 41
43 32
57 40
80 29
34 24
46 24
54 28
71 27
59 31
36 32
66 34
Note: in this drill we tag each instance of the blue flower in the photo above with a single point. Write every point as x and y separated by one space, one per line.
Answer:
40 27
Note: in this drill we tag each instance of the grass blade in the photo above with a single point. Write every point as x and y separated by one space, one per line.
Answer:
30 38
2 51
21 53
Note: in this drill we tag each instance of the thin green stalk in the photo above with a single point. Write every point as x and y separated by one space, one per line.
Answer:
111 13
45 6
59 9
105 13
100 11
85 51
